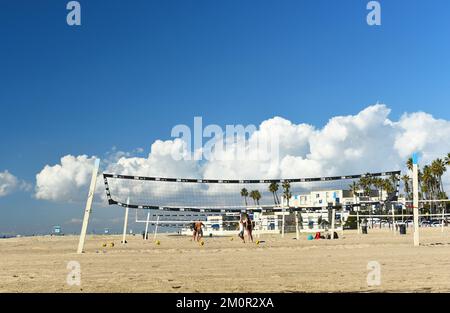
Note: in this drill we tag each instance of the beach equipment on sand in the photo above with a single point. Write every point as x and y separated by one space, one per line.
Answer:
402 228
310 237
178 197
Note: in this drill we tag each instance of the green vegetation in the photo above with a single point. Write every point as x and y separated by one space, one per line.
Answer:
244 193
256 196
273 188
287 194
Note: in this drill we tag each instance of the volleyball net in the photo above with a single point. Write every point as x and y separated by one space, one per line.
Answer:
216 195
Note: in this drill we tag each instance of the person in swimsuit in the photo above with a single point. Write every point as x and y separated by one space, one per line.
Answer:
198 231
249 228
241 229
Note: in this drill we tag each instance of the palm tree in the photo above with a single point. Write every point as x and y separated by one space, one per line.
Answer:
255 195
438 169
378 183
388 186
365 183
252 195
420 179
429 183
244 193
354 187
447 159
394 179
409 164
405 179
427 177
273 188
287 194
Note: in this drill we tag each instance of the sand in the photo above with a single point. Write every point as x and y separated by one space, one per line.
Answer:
39 264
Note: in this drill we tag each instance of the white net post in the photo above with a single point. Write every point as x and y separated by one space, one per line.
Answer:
297 232
125 222
403 207
357 222
393 219
357 213
416 199
443 216
260 226
333 221
146 226
283 222
87 210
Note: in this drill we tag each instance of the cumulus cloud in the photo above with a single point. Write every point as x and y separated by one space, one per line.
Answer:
10 183
422 132
365 142
161 161
65 181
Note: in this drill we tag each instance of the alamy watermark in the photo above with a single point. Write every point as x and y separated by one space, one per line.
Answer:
73 18
74 15
73 278
235 143
374 276
374 16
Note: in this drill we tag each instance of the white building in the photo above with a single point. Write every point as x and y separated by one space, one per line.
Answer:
325 198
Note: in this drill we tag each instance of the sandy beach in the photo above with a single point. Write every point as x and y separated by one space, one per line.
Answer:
39 264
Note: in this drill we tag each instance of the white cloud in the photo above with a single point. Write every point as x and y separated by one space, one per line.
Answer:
160 162
365 142
422 132
66 181
10 183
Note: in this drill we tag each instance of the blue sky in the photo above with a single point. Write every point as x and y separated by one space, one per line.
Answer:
133 70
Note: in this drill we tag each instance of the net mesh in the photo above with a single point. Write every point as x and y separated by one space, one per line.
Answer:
209 194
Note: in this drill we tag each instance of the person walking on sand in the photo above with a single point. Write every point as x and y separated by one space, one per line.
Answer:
248 224
198 231
241 229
